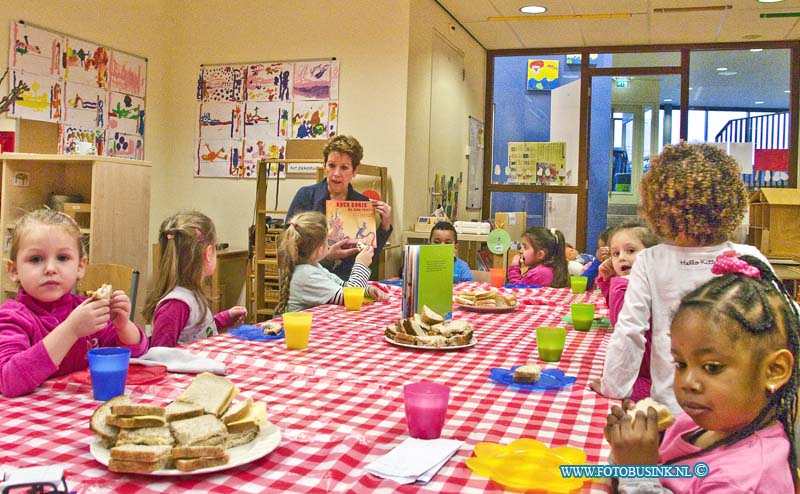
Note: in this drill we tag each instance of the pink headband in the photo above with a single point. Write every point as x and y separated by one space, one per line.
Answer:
293 224
729 262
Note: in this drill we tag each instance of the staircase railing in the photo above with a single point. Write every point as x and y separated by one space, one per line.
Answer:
765 132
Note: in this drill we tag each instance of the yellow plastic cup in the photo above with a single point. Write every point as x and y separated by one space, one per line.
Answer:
582 316
550 342
297 326
578 283
353 297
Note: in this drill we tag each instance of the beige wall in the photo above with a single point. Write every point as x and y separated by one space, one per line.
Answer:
384 82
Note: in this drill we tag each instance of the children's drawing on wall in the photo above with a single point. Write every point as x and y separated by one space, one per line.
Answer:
219 158
221 120
263 119
221 83
269 82
86 63
42 101
126 114
312 80
267 148
85 106
71 135
85 87
35 50
311 119
542 75
127 73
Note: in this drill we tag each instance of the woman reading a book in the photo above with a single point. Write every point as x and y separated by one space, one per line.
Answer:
342 156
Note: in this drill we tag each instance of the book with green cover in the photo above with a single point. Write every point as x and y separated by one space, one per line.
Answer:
351 219
428 279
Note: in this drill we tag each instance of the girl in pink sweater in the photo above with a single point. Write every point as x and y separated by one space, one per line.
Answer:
47 331
543 252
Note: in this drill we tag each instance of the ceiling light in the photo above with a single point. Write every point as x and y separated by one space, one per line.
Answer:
756 49
532 9
728 72
690 88
759 102
720 69
769 1
667 100
787 91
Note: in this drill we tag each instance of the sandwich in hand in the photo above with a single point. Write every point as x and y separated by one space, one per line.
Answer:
102 293
665 418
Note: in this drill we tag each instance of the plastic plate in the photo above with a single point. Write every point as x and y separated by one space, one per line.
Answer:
255 333
137 374
487 310
602 323
550 379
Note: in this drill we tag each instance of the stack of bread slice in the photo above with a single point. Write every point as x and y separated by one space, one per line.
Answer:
485 298
193 432
429 329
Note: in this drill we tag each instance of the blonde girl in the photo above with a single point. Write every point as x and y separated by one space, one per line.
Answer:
47 331
543 252
735 344
304 282
693 198
179 305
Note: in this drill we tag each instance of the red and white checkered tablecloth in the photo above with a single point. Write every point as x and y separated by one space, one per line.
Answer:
339 404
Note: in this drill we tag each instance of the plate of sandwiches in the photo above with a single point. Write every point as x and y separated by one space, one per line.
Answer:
202 431
486 301
429 331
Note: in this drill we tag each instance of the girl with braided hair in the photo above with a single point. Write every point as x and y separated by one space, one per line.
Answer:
692 198
735 342
304 282
179 305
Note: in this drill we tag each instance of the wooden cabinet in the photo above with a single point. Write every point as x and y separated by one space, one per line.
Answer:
265 280
117 191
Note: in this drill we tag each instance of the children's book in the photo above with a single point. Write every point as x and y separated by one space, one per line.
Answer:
353 219
428 279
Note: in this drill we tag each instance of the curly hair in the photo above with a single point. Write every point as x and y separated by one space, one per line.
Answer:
763 311
344 144
694 190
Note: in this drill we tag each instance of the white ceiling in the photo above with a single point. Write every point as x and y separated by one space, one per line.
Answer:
643 24
765 74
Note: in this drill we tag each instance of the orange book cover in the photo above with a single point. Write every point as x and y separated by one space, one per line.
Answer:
351 219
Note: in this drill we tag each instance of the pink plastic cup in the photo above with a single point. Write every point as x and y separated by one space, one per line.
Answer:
426 408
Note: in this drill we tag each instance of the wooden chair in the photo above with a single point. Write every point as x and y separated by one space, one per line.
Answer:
120 277
481 275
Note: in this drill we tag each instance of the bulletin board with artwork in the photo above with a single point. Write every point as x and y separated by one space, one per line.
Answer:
93 92
246 112
539 163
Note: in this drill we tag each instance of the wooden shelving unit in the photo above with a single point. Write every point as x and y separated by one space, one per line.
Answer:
117 195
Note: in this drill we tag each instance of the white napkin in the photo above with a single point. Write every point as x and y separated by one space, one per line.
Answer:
414 459
178 360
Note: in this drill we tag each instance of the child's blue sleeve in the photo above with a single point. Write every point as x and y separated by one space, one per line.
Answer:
461 271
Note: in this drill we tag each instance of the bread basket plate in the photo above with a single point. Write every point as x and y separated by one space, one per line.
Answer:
265 442
255 333
488 310
434 348
137 374
550 379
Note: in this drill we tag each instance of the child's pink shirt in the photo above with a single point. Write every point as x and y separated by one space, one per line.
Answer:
759 463
24 361
537 275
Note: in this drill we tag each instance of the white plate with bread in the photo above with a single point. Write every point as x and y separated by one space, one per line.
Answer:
429 331
489 301
265 442
472 343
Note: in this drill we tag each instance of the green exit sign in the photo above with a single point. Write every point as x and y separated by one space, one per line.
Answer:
622 82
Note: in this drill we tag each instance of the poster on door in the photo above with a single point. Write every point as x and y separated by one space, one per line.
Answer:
536 163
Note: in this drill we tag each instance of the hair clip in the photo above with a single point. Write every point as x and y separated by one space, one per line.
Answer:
200 235
170 236
293 224
729 262
553 231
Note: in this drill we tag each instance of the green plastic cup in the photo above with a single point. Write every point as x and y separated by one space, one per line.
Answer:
550 342
582 316
578 283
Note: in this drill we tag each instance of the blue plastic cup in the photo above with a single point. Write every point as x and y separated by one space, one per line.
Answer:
108 368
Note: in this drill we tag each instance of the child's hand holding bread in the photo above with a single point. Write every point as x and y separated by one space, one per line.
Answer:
365 254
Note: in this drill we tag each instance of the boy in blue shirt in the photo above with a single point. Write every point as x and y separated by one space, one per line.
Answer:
444 232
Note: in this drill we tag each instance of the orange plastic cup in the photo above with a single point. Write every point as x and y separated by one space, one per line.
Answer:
497 276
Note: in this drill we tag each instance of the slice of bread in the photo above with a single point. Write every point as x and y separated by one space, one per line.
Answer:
237 411
256 414
528 373
454 327
137 409
102 293
405 339
430 317
432 341
214 393
145 435
459 339
98 425
665 417
198 463
239 438
187 452
141 452
135 422
197 430
464 300
178 410
126 466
